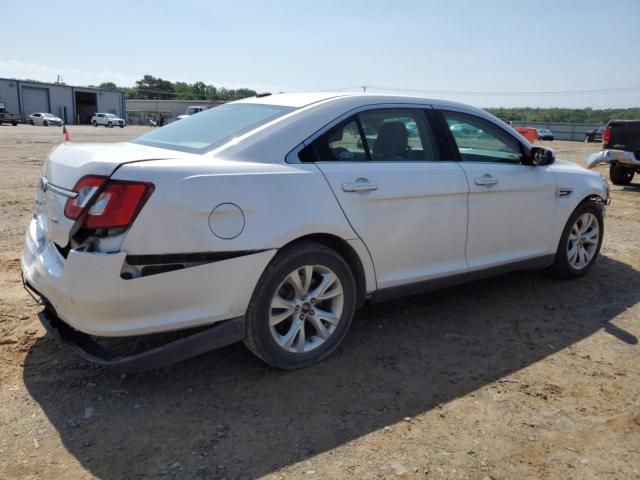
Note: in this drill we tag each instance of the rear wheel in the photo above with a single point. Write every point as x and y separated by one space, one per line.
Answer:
45 123
580 242
95 124
301 308
621 175
31 121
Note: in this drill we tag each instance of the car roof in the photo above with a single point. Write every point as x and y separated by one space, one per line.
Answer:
304 99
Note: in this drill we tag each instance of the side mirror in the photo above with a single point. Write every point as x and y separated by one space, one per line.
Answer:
542 156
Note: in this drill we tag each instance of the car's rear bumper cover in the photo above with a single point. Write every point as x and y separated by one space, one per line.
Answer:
610 156
216 336
87 292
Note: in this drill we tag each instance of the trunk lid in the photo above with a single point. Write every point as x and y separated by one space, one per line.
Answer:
67 164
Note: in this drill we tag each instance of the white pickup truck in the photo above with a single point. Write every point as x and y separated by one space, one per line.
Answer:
192 110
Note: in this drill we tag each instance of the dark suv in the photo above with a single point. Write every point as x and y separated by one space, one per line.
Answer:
595 134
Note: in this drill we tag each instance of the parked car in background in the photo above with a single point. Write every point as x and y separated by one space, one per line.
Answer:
620 149
44 119
108 120
270 220
192 110
544 134
6 117
595 134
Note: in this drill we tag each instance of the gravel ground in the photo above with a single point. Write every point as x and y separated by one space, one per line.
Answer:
520 376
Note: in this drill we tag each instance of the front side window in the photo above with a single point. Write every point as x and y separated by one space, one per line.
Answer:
376 135
479 140
212 128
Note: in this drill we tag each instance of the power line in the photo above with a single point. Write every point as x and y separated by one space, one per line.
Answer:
598 91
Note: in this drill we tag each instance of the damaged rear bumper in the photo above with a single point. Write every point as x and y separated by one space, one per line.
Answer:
216 336
613 156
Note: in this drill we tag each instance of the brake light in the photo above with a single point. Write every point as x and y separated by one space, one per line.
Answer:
606 135
116 205
86 188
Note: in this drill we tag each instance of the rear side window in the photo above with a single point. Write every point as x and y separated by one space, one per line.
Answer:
212 128
479 140
376 135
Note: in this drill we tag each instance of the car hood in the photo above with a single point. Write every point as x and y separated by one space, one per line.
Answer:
568 166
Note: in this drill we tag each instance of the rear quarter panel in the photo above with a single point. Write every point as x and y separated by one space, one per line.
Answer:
279 202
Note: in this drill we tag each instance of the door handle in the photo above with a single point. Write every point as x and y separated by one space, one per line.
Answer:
486 180
361 185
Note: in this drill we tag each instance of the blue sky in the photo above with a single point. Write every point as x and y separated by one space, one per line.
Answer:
493 47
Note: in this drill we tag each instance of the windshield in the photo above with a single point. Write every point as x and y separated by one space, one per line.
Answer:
212 128
192 110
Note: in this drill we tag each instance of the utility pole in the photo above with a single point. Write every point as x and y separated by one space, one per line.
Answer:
364 89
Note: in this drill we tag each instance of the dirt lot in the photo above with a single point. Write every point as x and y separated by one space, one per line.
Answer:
521 376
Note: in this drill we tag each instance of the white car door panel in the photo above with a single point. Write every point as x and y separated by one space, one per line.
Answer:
411 216
409 208
511 212
512 205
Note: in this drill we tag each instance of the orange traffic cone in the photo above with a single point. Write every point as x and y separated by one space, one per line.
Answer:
65 131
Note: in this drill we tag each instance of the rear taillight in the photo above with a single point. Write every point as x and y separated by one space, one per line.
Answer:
86 188
606 135
116 205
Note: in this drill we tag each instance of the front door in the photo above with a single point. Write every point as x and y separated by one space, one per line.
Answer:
512 206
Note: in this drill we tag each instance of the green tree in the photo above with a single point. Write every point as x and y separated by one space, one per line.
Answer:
150 87
108 86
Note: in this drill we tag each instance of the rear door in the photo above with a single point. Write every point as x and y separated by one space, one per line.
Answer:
512 205
409 208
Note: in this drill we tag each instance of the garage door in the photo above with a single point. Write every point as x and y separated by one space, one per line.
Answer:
35 100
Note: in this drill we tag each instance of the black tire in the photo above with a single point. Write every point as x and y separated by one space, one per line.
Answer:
14 123
110 125
95 124
621 175
31 121
121 126
45 123
258 336
562 267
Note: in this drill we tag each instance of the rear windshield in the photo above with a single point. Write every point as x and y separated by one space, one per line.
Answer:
212 128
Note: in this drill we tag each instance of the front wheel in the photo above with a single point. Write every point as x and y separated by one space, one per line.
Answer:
45 123
110 125
301 308
580 242
620 175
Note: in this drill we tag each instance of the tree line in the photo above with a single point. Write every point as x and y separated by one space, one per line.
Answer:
152 88
156 88
569 115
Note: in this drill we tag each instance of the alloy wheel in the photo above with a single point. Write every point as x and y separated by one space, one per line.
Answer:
306 308
583 241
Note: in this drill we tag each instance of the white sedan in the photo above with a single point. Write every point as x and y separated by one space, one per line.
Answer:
44 119
271 220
